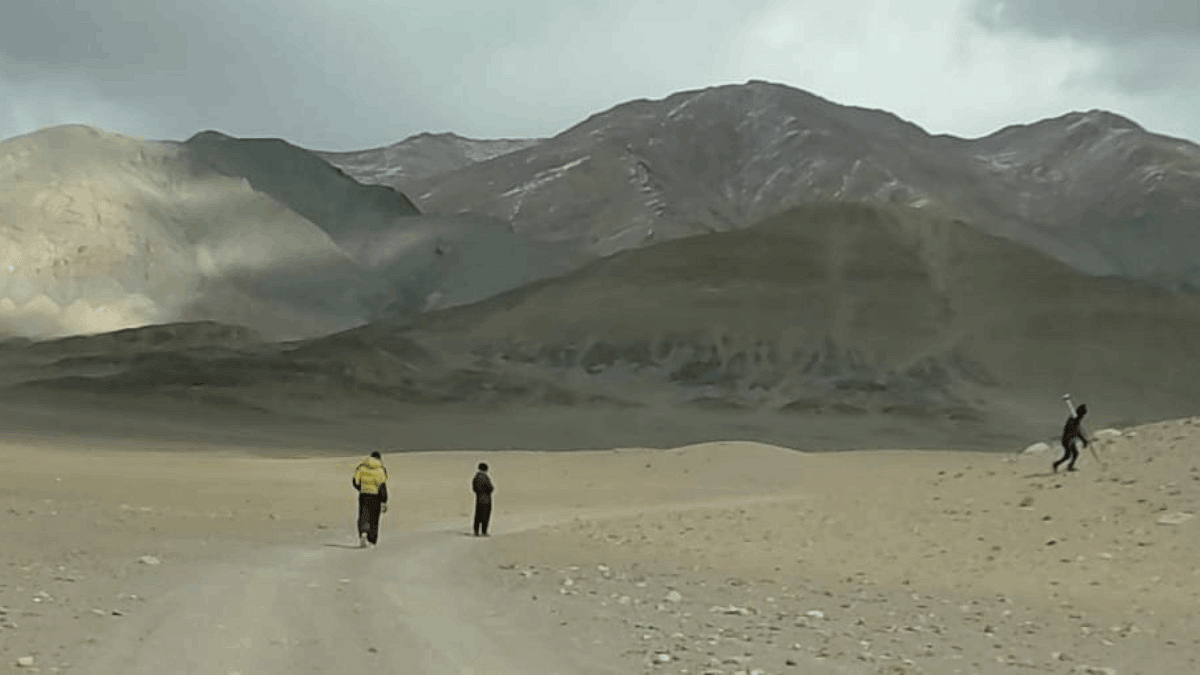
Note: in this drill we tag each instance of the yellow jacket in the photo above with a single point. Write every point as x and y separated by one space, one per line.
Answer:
370 477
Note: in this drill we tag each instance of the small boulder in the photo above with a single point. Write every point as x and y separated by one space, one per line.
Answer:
149 560
1036 449
25 662
1095 670
731 609
1177 518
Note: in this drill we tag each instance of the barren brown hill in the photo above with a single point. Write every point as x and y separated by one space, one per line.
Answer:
100 232
827 327
850 308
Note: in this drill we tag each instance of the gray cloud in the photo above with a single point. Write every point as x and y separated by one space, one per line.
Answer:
1094 20
357 73
1145 48
101 35
352 74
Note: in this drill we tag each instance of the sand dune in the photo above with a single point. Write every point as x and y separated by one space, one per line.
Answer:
721 557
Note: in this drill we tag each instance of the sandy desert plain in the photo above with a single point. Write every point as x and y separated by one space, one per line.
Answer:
123 555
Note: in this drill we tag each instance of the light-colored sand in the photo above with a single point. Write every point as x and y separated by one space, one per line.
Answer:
717 558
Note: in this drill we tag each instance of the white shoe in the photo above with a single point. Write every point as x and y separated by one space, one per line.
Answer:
362 540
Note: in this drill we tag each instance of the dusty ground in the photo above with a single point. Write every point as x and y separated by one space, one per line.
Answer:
718 558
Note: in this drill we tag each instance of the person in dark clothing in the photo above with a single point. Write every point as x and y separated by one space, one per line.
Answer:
481 485
370 479
1071 432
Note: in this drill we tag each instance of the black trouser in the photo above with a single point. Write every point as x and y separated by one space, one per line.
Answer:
1069 452
483 513
368 515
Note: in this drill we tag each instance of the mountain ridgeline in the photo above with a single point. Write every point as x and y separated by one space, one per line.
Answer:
750 261
1092 189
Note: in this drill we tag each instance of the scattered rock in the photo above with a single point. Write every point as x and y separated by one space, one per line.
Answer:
663 658
25 662
674 596
731 609
1177 518
149 560
1095 670
815 614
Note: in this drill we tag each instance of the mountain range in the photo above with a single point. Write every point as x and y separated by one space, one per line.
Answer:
747 260
1092 189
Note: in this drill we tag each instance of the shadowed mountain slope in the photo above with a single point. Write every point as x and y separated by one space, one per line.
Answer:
341 206
419 157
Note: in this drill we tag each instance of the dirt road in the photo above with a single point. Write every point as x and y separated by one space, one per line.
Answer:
408 605
414 604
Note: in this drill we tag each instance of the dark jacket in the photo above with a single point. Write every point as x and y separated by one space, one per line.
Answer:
481 485
1071 430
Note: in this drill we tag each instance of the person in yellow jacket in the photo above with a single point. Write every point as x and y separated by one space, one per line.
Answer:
370 479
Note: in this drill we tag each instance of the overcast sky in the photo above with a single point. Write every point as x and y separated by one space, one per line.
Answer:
352 74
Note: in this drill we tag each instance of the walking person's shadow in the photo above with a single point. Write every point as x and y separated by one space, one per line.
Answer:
1051 474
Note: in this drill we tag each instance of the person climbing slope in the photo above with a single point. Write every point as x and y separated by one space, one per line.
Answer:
1071 433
